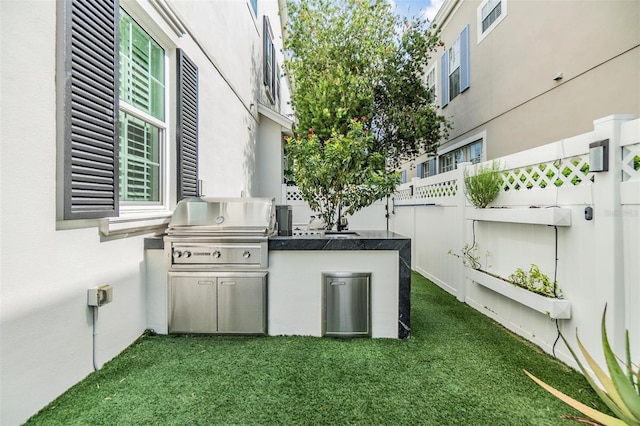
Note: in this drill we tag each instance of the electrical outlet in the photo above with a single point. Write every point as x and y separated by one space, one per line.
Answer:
100 296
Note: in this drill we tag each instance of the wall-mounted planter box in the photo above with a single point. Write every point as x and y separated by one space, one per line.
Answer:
557 216
555 308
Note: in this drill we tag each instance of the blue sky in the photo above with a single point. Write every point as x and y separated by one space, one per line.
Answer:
426 8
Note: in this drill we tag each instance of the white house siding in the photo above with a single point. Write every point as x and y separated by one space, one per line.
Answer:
47 266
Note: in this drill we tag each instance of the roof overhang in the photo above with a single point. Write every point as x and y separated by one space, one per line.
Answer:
285 122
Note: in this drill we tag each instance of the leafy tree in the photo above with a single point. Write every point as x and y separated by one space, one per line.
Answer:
343 172
357 73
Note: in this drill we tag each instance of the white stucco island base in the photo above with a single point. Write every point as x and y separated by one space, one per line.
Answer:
295 289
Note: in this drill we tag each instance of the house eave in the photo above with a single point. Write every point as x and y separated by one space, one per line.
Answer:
284 122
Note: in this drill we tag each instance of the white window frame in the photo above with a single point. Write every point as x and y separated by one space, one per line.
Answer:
167 127
432 70
269 62
427 170
503 14
454 65
462 144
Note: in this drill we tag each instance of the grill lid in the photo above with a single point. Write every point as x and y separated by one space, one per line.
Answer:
223 216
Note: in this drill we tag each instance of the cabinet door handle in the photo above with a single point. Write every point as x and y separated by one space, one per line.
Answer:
338 283
206 282
227 283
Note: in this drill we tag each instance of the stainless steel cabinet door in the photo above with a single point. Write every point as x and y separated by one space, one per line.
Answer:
242 304
192 303
346 311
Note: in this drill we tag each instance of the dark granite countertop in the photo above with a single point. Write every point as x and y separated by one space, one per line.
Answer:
362 240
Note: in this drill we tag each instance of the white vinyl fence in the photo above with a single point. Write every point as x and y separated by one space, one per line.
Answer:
539 218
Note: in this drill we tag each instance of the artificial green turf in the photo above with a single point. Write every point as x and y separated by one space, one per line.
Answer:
459 367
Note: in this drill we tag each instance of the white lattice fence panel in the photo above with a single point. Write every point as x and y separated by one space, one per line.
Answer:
444 189
631 162
403 194
570 172
294 194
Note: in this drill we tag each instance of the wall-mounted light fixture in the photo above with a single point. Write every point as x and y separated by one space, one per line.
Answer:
599 156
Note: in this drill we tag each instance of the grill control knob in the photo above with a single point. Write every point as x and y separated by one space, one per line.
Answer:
216 254
177 253
186 253
246 254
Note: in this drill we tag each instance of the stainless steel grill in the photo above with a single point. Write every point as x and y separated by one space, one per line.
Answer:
218 254
229 233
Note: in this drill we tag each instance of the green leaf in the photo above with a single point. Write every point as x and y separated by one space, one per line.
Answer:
596 415
624 387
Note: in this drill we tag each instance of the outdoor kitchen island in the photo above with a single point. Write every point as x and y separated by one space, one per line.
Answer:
297 265
295 280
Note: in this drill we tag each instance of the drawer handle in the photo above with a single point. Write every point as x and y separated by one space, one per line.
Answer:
338 283
206 282
227 283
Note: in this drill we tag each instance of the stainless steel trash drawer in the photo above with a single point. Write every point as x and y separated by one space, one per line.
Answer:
346 307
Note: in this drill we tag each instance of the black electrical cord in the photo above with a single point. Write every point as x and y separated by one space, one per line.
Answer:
472 247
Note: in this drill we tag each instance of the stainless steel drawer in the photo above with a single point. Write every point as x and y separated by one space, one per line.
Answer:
346 307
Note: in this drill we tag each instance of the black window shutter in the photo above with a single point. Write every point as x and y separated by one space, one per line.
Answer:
90 109
187 131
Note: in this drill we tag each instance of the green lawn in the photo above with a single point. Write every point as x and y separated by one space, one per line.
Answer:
459 367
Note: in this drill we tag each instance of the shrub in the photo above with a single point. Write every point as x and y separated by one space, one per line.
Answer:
484 185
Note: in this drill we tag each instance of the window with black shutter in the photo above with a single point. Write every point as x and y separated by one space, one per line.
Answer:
113 142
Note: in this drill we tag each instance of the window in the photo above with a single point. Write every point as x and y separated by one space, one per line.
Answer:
454 65
468 153
112 102
254 7
270 65
427 168
403 176
430 81
142 114
454 70
490 14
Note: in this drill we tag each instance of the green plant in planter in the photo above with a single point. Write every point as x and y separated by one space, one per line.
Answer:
535 281
620 389
484 185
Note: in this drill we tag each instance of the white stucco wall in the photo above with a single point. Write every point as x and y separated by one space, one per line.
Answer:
47 266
